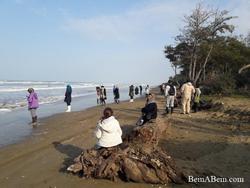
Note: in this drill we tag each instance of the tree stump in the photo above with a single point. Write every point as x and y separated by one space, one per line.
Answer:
138 159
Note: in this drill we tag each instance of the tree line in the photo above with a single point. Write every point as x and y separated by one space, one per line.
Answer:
206 52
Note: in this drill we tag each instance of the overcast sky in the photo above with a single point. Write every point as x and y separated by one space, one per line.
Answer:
117 41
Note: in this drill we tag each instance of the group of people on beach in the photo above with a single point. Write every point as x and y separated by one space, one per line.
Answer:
133 91
101 95
136 90
108 131
33 103
187 93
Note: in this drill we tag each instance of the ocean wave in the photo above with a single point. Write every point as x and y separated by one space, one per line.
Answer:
42 100
9 90
6 82
31 82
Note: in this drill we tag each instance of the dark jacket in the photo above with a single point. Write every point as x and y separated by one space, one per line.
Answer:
131 90
136 90
149 111
68 93
116 93
140 89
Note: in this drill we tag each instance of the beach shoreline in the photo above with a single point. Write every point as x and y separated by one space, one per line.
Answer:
50 141
209 148
14 125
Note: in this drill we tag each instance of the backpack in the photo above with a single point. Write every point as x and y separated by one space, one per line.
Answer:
171 90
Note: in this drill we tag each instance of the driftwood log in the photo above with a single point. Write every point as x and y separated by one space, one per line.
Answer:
138 159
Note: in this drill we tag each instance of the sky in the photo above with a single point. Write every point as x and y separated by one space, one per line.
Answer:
115 41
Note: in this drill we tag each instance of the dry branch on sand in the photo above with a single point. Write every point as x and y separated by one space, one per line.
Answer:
138 159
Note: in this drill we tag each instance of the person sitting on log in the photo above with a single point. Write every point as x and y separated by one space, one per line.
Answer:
108 130
149 112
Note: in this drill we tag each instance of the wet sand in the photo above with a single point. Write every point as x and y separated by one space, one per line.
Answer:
201 145
41 160
13 125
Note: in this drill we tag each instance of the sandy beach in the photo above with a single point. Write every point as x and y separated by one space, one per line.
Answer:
207 143
14 124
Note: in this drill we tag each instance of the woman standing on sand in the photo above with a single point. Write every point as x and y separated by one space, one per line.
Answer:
108 130
32 99
67 98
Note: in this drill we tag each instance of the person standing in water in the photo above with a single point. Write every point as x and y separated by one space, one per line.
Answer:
32 99
67 98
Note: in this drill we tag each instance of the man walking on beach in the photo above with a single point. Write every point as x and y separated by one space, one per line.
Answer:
170 94
187 91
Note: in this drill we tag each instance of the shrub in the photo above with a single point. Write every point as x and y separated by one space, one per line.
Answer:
222 84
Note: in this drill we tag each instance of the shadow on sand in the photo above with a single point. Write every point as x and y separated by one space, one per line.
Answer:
71 151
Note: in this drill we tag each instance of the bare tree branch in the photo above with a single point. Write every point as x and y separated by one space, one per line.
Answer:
243 68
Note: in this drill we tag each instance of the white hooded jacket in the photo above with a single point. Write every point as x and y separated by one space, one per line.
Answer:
108 132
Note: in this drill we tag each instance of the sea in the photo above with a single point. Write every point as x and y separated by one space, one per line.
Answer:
14 115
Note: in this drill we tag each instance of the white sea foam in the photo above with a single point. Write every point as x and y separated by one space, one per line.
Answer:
30 82
39 88
54 99
4 110
12 93
42 100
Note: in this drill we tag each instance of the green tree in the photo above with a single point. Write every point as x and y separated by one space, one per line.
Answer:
201 29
